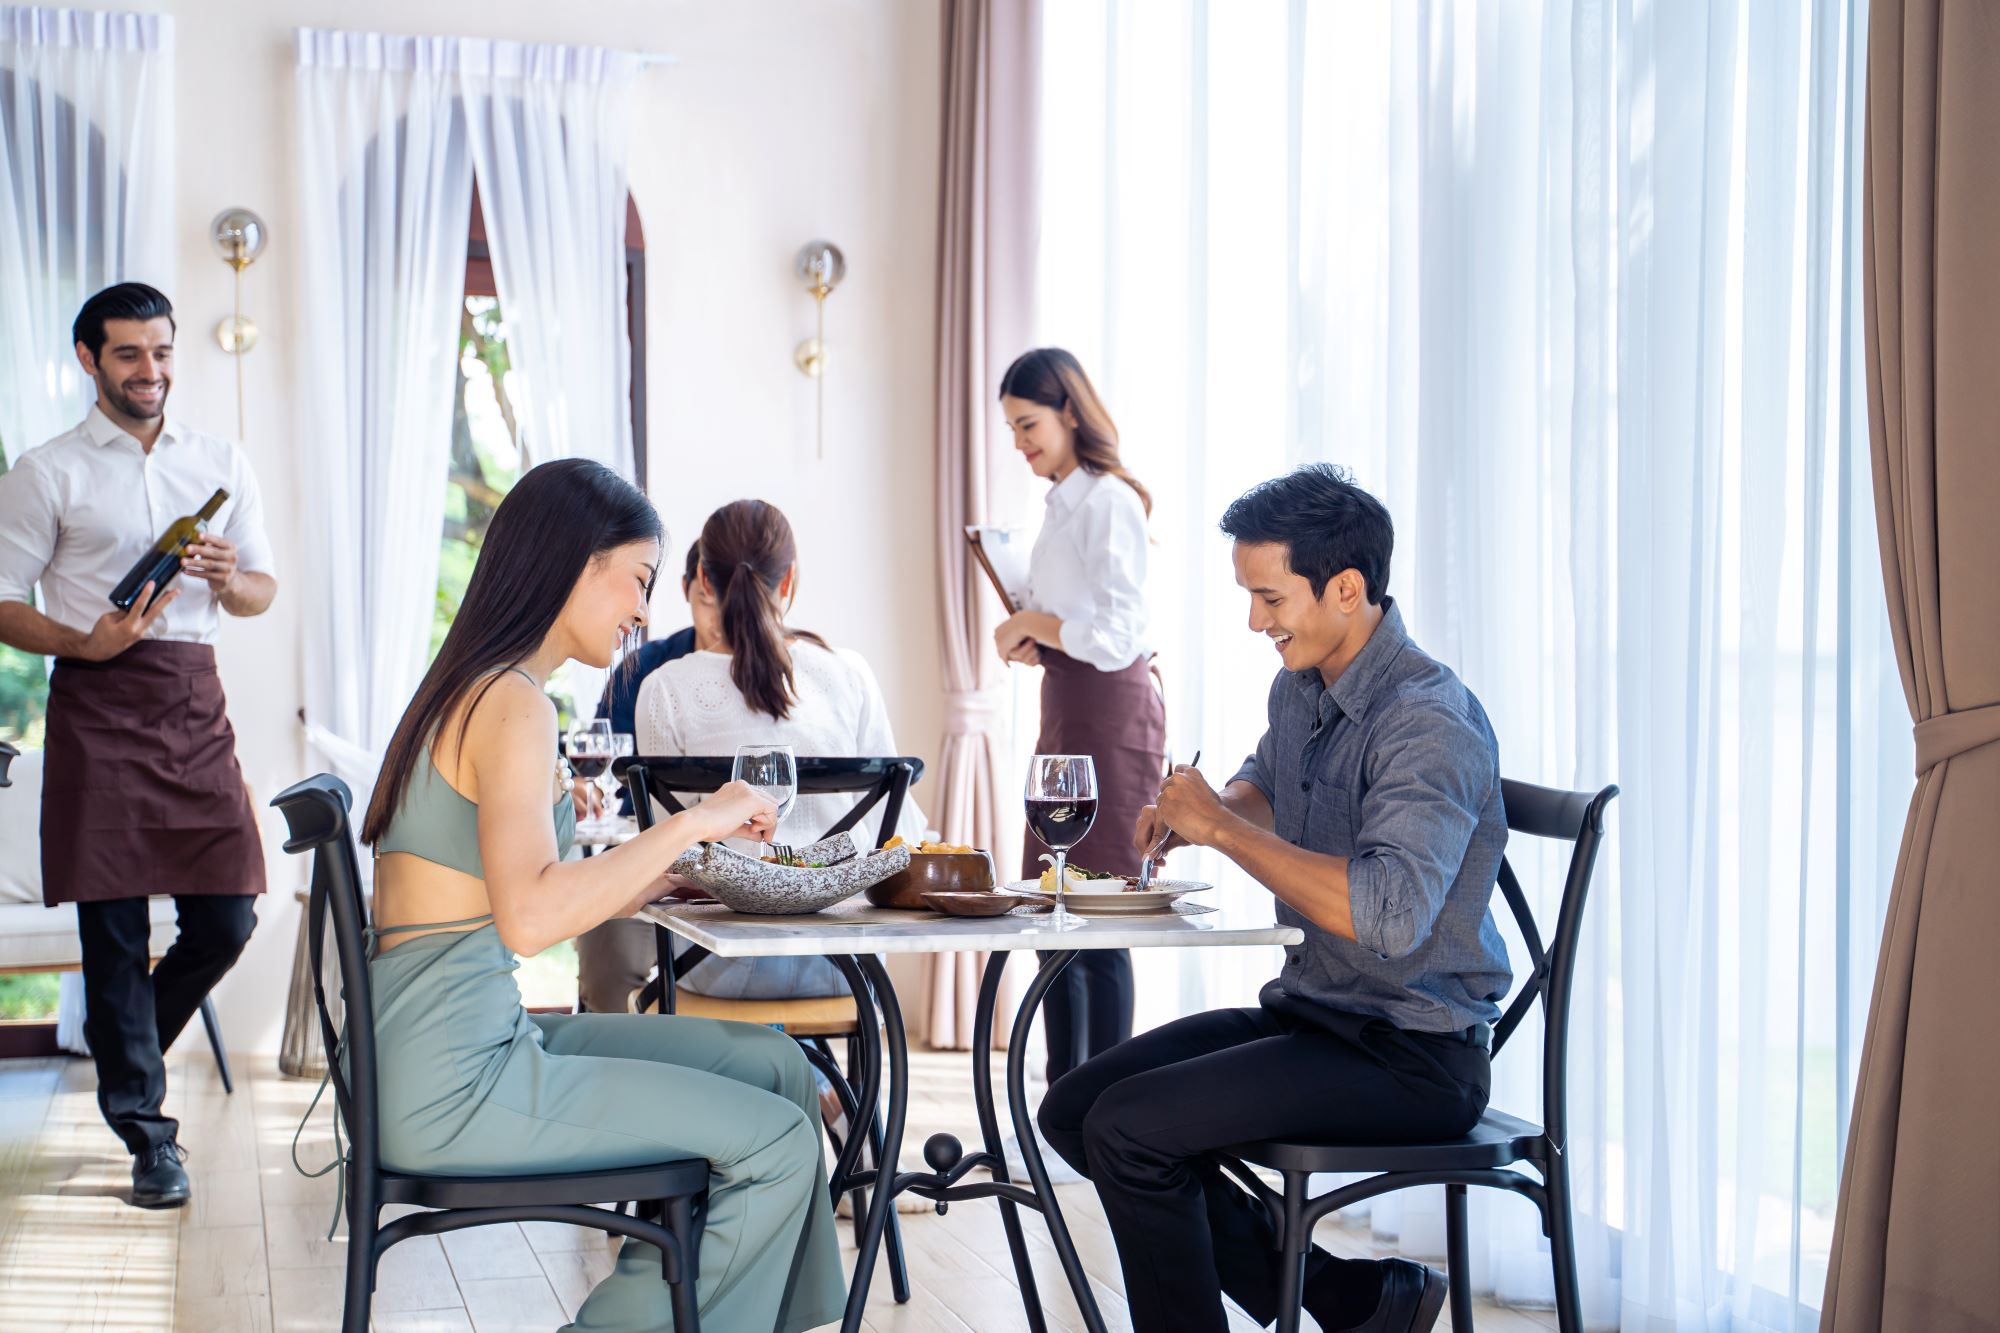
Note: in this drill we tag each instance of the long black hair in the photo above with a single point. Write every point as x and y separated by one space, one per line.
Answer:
558 518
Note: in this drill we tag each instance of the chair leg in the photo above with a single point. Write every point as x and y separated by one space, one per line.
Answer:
214 1027
1458 1252
362 1217
1562 1247
1293 1241
680 1221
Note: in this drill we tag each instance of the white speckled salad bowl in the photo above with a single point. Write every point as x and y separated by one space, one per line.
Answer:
833 872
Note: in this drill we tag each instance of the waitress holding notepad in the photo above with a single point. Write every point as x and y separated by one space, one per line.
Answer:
1085 624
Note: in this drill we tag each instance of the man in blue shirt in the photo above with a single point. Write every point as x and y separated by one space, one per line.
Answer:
1371 810
615 958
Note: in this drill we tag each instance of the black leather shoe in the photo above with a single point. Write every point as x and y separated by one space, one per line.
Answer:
1412 1298
158 1179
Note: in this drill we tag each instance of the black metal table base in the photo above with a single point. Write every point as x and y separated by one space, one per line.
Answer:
949 1163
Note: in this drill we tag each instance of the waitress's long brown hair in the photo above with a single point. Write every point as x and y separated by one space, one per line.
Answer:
1054 378
746 549
558 518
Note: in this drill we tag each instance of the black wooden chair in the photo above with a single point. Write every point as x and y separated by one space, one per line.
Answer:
811 1021
8 754
1498 1141
316 813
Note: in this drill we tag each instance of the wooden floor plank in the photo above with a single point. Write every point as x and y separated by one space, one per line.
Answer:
251 1252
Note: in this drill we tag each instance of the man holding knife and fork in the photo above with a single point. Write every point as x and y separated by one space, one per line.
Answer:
1371 810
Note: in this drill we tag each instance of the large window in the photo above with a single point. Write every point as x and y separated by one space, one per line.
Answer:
1573 298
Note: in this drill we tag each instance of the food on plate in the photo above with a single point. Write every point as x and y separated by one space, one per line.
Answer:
1077 878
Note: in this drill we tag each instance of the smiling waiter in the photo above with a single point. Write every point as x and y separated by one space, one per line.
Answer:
142 794
1085 625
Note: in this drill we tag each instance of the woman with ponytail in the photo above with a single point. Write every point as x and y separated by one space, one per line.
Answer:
1085 626
767 683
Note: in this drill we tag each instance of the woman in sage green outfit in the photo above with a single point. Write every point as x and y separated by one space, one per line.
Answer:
470 821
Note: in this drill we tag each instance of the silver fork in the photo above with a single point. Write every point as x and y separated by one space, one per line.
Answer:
1146 866
785 856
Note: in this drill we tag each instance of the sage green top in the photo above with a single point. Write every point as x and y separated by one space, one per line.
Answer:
439 823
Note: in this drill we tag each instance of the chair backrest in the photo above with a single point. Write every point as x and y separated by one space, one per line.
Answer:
8 754
316 815
884 780
1575 817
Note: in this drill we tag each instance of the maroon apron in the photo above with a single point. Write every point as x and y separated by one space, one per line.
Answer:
141 793
1119 719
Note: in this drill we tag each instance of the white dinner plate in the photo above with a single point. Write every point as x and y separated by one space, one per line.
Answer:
1119 901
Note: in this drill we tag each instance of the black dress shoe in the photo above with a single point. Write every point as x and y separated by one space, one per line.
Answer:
1412 1298
158 1179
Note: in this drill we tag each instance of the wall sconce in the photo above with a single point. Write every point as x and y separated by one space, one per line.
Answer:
820 266
238 236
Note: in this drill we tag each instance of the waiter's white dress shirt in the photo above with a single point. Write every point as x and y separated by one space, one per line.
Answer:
1088 569
78 512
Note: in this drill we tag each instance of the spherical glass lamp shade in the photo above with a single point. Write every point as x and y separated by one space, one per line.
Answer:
821 266
238 236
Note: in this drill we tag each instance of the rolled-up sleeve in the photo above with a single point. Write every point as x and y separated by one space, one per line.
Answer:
28 528
1112 532
1430 772
246 522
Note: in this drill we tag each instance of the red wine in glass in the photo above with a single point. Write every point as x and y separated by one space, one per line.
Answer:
1061 804
590 766
1061 822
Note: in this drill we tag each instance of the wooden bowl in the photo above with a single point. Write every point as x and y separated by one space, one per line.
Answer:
938 872
978 904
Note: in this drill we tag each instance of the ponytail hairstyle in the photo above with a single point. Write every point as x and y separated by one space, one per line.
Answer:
1054 378
746 549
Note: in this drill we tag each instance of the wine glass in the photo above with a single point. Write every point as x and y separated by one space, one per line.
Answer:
623 746
1061 800
772 770
591 750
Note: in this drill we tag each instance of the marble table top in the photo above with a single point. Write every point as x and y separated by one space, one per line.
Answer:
857 927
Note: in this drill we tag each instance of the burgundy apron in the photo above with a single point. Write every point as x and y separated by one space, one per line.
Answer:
141 793
1119 719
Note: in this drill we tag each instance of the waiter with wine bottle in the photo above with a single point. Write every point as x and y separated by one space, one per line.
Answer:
142 795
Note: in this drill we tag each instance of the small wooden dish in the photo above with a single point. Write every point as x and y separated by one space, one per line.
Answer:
977 904
934 872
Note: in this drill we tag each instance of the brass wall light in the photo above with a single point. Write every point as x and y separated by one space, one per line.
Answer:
238 236
820 266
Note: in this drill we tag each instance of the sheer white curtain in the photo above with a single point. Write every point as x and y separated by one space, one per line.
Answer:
1571 285
86 194
550 130
385 181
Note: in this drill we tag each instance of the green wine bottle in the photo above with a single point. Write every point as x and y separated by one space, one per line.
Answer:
162 562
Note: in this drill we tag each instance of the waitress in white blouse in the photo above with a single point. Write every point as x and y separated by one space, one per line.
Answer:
1085 625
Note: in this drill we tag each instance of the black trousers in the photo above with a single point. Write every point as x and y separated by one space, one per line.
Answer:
1089 1008
133 1015
1138 1119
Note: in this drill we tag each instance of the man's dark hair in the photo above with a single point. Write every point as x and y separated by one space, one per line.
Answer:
693 566
1325 522
126 300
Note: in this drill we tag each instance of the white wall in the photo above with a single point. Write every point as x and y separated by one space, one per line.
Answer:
783 120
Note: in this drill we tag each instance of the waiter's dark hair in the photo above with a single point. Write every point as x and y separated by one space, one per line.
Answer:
692 567
558 518
746 548
125 300
1054 378
1325 522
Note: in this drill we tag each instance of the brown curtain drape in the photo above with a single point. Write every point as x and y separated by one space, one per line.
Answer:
1917 1239
988 217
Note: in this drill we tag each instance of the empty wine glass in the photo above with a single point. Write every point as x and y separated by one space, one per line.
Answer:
1061 801
772 770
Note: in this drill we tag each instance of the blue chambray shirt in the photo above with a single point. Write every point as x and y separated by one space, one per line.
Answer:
1396 768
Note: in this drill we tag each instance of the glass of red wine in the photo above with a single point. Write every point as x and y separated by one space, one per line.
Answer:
1061 801
591 748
